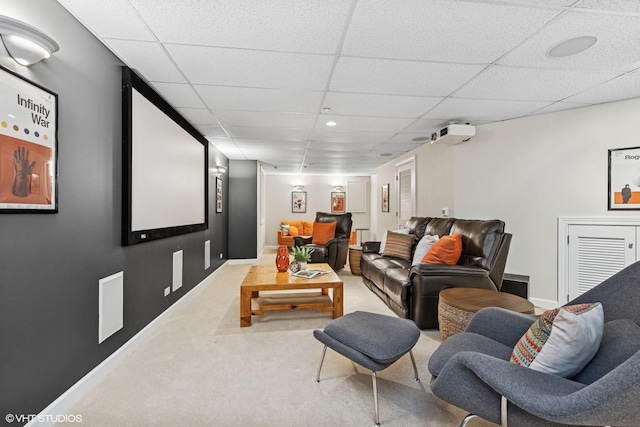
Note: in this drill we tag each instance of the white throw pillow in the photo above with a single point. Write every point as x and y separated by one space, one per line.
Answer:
562 341
423 247
384 238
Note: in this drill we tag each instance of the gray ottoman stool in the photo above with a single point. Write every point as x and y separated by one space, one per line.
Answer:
370 340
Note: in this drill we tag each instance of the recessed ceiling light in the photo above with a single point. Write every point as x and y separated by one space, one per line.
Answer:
572 46
331 123
326 110
386 154
421 138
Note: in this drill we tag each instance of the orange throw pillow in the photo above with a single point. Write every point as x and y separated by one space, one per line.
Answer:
447 250
323 232
293 230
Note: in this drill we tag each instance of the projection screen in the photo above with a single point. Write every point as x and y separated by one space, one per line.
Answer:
164 167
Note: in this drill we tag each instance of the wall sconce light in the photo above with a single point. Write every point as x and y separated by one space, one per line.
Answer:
25 43
337 188
218 170
299 187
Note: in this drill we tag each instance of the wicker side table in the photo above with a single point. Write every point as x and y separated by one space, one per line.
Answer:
355 253
456 307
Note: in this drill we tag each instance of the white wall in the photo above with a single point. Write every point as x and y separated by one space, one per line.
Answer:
278 190
530 171
434 184
527 172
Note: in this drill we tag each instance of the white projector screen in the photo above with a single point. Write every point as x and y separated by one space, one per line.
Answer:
165 167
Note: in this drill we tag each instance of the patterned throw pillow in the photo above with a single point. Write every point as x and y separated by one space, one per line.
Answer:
562 341
285 230
398 245
383 240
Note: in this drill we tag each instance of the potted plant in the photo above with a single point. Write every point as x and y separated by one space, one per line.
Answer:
301 255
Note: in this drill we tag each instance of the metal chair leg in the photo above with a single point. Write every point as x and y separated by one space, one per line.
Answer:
415 368
324 351
466 420
503 412
375 397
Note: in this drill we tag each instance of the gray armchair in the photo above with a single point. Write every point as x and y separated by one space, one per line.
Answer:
471 370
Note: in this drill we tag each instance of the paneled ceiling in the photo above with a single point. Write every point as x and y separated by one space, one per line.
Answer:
261 78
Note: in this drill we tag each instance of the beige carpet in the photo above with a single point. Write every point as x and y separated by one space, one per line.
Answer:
202 369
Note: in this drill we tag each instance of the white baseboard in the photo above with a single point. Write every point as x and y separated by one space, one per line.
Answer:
63 404
242 261
544 303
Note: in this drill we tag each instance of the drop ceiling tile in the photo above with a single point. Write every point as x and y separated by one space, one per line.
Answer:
615 50
256 99
425 127
399 147
378 105
236 67
464 110
556 106
279 146
440 30
612 5
392 77
370 124
545 3
211 131
268 133
622 87
318 147
178 95
99 17
286 25
360 136
499 82
408 138
268 119
198 116
148 58
230 150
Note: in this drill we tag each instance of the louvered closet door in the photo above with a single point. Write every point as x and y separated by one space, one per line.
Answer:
597 252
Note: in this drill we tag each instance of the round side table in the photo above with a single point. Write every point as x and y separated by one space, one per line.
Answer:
355 253
456 307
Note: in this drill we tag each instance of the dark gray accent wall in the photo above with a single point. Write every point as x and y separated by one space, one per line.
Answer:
243 209
50 264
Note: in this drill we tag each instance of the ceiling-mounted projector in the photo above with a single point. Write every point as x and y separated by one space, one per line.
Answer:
453 134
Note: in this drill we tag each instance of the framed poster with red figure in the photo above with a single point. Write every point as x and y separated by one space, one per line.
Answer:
337 202
28 146
624 179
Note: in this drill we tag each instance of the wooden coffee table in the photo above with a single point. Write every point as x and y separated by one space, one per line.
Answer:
267 278
456 307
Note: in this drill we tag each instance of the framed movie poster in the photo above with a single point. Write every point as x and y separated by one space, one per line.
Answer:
385 198
624 179
28 146
218 194
337 202
299 201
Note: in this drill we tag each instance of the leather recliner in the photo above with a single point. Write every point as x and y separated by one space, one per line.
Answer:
336 250
411 291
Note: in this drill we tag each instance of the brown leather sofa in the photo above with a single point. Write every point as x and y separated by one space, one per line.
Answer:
336 250
411 291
